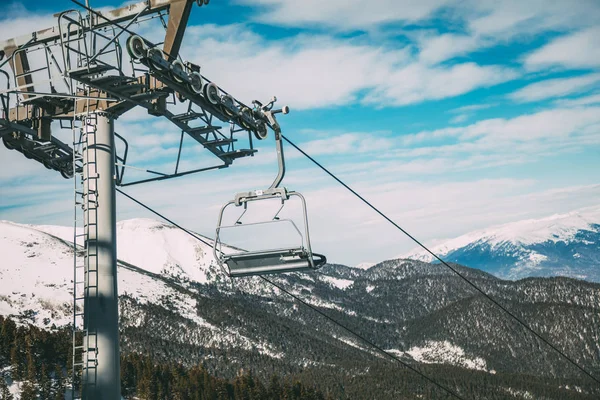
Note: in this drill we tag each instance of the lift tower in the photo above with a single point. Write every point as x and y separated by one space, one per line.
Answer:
75 77
101 371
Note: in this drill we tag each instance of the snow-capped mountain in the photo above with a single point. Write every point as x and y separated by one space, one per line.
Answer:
558 245
364 265
160 248
177 305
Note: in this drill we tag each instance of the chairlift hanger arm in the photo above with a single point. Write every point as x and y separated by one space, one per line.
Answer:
267 114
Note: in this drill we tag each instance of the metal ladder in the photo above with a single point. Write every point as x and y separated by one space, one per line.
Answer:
85 280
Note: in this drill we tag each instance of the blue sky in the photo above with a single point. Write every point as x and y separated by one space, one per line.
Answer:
448 115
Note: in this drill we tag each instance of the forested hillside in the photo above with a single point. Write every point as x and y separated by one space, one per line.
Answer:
178 312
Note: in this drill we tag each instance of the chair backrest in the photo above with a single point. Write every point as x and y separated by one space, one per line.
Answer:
266 261
261 236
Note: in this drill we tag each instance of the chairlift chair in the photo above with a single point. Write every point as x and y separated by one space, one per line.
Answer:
299 257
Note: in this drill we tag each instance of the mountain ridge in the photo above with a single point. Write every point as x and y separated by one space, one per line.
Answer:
558 245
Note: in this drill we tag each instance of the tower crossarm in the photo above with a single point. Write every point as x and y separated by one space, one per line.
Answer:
15 49
179 11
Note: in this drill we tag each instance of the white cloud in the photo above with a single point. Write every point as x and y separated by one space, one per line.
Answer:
466 112
504 19
459 118
16 21
581 101
482 16
435 49
489 23
305 71
343 14
578 50
486 22
559 87
314 71
557 122
544 124
347 143
320 71
416 83
471 108
476 148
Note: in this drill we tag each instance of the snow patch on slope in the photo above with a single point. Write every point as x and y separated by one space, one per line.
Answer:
436 352
337 282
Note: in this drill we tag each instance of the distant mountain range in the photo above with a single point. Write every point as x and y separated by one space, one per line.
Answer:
176 304
558 245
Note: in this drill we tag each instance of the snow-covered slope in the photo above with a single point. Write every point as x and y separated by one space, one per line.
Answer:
33 274
37 272
36 278
561 244
158 247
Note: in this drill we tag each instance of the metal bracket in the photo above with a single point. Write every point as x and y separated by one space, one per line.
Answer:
244 197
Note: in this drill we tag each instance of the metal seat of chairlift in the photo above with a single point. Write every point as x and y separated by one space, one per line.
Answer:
271 261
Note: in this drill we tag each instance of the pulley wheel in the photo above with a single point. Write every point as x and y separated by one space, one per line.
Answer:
176 69
228 105
136 47
153 53
196 82
211 92
8 144
261 132
67 174
245 117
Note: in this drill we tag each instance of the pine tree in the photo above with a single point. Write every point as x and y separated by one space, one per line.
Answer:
28 391
146 386
4 391
7 337
127 377
16 361
58 386
274 388
31 365
45 384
